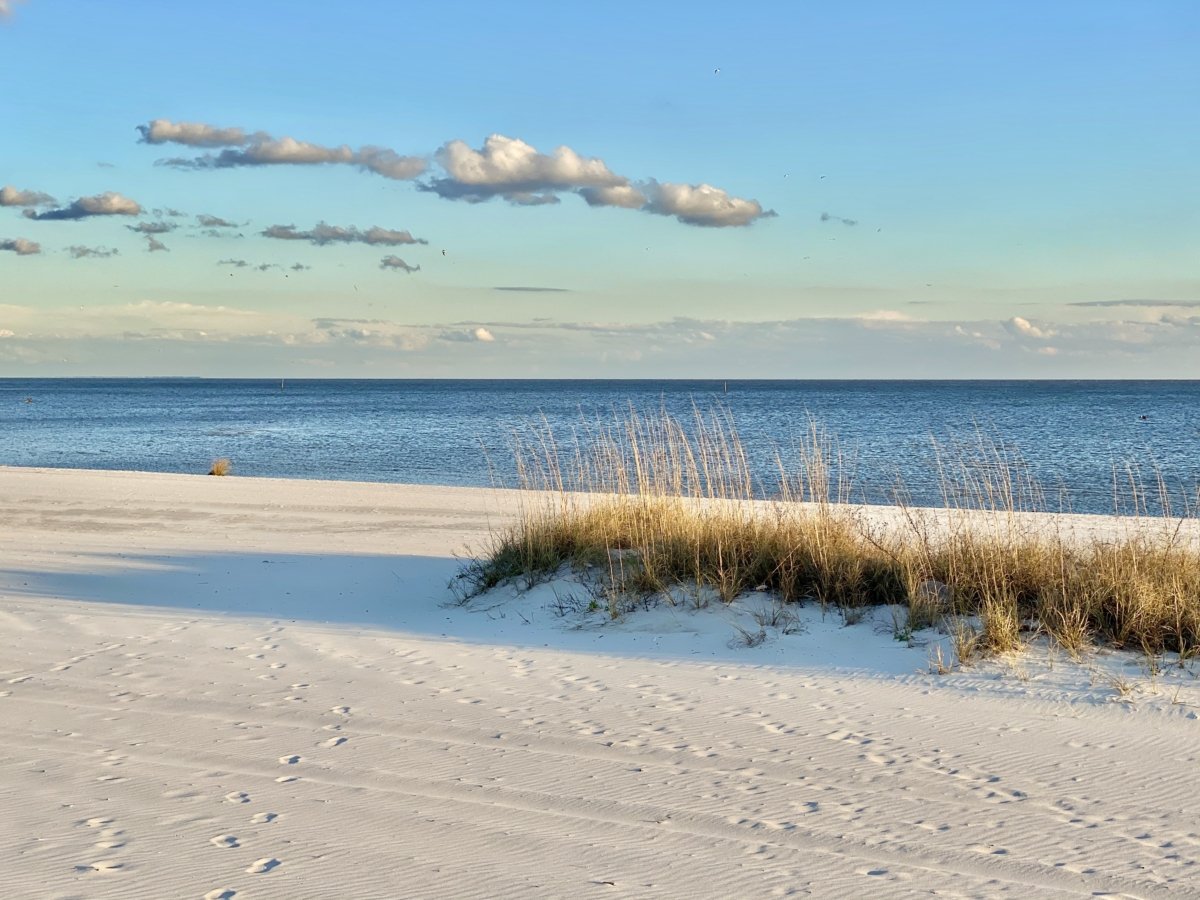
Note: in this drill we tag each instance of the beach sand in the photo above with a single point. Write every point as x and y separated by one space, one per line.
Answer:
239 687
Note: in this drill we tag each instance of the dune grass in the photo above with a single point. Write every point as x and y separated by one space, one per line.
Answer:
646 506
221 466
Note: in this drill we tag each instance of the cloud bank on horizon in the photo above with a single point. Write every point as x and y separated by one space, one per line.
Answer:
982 347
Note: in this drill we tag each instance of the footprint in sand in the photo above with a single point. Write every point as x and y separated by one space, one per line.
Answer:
334 742
20 680
290 760
341 710
263 818
266 864
103 866
221 894
224 840
238 797
286 779
98 822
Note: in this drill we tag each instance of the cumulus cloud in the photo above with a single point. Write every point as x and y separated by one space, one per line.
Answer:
78 251
109 203
622 195
154 245
299 267
151 227
236 263
396 264
504 167
192 134
21 247
206 221
482 334
322 234
510 168
260 149
11 196
515 171
692 204
702 204
830 217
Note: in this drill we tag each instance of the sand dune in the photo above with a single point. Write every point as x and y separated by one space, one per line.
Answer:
253 688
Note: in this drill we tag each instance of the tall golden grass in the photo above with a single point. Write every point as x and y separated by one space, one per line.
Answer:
221 466
647 505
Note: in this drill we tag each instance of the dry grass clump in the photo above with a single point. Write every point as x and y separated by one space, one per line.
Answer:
650 504
221 466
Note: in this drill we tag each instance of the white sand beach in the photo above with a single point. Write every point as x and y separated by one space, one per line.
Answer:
253 688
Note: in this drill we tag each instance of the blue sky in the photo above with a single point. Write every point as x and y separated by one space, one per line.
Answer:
926 189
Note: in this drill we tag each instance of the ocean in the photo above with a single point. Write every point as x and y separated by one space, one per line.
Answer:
1072 437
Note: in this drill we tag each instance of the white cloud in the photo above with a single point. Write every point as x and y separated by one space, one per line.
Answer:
883 315
152 227
1024 328
78 251
396 264
207 221
322 234
702 204
260 149
504 167
625 196
510 168
192 134
11 196
514 170
139 337
21 246
109 203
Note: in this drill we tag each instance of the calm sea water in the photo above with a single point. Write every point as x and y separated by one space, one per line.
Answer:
1071 436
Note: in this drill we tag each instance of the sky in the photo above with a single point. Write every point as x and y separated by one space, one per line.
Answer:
545 190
